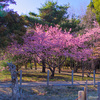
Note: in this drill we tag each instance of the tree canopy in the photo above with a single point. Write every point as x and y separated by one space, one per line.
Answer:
12 26
53 13
5 3
51 45
95 6
89 18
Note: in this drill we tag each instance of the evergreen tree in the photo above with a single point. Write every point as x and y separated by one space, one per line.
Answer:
95 6
89 18
52 13
12 26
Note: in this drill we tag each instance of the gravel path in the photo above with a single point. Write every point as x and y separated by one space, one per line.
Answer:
55 83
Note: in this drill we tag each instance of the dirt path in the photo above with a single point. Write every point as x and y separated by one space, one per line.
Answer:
56 83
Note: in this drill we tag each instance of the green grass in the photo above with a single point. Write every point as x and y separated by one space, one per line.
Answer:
5 76
37 75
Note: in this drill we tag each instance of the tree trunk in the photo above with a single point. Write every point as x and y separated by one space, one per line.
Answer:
82 72
35 64
95 70
43 65
25 66
30 64
82 64
53 72
92 65
71 64
59 69
17 68
75 68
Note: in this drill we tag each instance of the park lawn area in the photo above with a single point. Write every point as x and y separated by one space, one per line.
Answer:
36 75
5 76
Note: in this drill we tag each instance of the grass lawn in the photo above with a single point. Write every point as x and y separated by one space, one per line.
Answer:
37 75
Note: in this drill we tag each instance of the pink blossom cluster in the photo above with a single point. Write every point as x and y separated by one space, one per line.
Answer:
4 68
47 42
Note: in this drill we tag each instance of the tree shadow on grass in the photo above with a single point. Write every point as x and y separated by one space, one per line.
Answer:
44 77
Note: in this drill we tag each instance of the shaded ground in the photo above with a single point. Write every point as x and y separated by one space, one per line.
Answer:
51 83
48 93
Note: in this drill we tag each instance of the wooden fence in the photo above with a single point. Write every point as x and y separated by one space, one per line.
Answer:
82 95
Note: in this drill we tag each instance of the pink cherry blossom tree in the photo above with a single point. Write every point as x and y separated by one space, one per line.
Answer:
52 44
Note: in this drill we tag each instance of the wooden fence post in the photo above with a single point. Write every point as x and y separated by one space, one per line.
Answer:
81 95
72 76
14 81
94 77
20 77
86 91
98 91
21 84
48 78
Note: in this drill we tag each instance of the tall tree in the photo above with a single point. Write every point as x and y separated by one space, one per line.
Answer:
89 18
53 13
73 23
95 5
12 26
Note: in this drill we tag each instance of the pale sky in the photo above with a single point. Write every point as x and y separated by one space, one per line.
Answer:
25 6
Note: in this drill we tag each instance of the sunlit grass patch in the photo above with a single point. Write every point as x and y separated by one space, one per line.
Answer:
32 75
